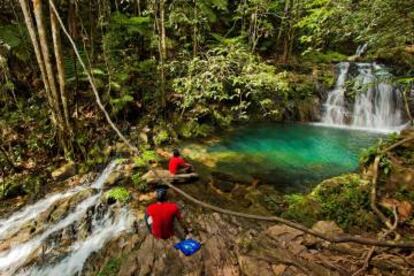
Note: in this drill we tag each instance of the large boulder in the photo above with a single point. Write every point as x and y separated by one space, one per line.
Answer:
64 172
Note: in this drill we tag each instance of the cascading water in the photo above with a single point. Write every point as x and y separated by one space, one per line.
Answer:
335 104
377 104
22 253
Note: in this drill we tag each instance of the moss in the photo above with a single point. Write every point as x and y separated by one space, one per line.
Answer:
302 208
327 57
111 267
119 194
20 184
344 199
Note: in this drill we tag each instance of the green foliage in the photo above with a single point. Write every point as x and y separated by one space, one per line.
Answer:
346 200
302 208
194 129
140 184
382 24
16 38
20 184
327 57
368 155
119 194
96 154
111 267
225 84
161 137
142 161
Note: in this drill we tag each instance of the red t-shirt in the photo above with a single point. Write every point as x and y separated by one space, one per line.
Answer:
163 214
175 164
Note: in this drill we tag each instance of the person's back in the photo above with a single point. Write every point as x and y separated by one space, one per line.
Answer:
177 164
163 215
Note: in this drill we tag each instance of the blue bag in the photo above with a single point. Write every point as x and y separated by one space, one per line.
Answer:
188 247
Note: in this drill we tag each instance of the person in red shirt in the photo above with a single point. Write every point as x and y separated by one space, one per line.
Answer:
178 165
163 218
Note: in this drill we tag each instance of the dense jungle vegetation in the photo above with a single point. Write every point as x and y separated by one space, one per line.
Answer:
166 70
87 82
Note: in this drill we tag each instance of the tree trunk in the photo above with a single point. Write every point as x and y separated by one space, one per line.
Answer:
33 37
163 50
285 30
407 106
37 6
195 30
59 64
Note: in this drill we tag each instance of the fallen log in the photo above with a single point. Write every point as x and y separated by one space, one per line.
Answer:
156 176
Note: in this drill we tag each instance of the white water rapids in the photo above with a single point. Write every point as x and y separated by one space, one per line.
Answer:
366 100
14 260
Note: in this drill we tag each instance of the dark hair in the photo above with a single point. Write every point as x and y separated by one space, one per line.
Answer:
176 153
161 194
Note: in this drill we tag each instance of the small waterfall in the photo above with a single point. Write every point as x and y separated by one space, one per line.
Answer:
372 103
88 225
361 49
103 231
335 104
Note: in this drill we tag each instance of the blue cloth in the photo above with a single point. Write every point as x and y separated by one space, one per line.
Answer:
188 247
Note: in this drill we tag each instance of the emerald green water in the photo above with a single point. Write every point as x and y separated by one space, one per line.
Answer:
293 157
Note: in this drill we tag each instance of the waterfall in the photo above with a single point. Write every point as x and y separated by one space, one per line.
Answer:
335 104
23 255
361 49
371 103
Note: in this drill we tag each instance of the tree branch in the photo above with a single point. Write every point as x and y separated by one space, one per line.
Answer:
334 239
90 79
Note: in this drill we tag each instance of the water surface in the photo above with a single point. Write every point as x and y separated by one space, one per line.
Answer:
293 157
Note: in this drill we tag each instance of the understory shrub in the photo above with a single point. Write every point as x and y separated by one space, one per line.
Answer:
226 83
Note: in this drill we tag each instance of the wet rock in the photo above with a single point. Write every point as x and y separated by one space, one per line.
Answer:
113 178
329 228
279 269
146 197
64 172
252 266
309 109
225 186
59 212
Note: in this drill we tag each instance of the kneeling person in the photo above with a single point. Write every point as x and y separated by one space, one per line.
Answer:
163 218
178 165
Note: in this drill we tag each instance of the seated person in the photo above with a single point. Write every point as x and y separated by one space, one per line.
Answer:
163 218
178 165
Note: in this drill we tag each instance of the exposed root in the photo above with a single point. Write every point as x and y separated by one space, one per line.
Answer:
372 250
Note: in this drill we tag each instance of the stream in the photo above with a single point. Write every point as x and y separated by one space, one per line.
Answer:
57 234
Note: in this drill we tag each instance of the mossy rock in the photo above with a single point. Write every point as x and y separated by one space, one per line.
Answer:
119 194
303 209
